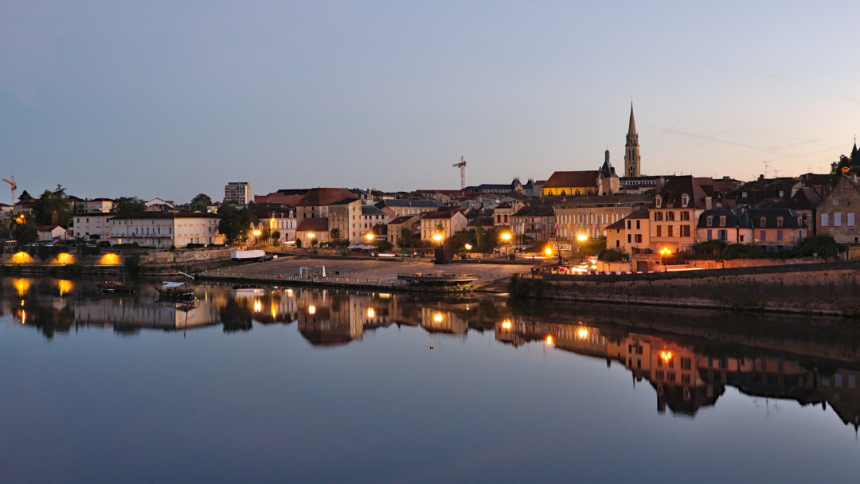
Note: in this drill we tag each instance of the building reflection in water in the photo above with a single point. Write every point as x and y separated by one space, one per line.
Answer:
685 377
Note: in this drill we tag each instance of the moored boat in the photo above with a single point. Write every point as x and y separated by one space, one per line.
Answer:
175 291
115 287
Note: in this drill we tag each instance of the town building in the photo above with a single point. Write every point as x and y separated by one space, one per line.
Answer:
396 227
728 225
159 205
371 216
675 212
312 230
345 216
630 235
52 233
502 214
775 228
409 206
98 205
444 222
591 215
533 223
92 225
316 202
837 212
632 161
239 192
279 217
165 229
501 189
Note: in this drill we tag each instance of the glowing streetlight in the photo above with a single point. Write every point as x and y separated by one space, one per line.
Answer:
506 236
468 246
582 237
665 251
548 251
310 236
256 233
369 237
437 237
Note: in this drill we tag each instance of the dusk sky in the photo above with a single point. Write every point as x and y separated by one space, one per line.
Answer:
171 99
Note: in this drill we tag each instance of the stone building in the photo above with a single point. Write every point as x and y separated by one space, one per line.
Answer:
345 216
631 149
591 215
675 212
444 223
836 213
536 223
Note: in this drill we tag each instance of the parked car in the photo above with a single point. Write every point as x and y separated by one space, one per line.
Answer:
267 258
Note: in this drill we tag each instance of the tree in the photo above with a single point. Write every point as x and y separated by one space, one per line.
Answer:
460 239
335 234
200 202
25 196
407 238
26 233
51 209
298 243
266 235
383 246
480 240
128 204
60 192
276 237
235 224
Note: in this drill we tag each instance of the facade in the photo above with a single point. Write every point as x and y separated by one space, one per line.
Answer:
536 222
51 233
567 183
277 217
630 235
239 192
591 215
372 216
444 223
165 229
396 226
775 229
675 212
837 212
316 202
98 205
345 216
730 226
503 213
408 206
93 225
313 230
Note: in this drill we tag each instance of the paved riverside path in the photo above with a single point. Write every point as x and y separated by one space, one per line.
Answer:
363 272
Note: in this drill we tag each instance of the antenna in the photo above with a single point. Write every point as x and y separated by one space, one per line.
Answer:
765 167
776 173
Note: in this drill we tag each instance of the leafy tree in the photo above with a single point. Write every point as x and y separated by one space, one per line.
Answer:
26 233
128 204
200 202
60 192
51 209
383 246
407 238
460 239
25 196
266 234
235 223
298 243
335 234
276 237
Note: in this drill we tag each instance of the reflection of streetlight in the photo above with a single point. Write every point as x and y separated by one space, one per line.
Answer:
666 355
370 312
312 309
438 317
549 340
582 333
506 324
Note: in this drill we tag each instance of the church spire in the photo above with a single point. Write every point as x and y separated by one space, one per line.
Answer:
631 130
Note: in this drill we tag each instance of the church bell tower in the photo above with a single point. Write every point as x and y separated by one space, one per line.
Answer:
631 149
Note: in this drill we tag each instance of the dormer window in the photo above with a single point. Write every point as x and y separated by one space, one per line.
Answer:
779 221
799 221
659 201
710 221
722 221
835 201
781 194
744 195
685 199
763 222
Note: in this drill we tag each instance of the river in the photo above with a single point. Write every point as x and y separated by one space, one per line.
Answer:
280 384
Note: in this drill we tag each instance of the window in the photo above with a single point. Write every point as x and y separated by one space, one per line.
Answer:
670 231
628 238
637 224
685 199
658 216
744 195
659 231
837 219
628 225
671 376
685 379
685 231
763 222
709 222
722 221
710 236
685 216
824 220
781 194
779 235
670 216
658 201
850 220
638 238
835 201
779 221
762 236
686 363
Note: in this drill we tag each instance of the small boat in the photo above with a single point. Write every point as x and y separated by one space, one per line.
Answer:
176 291
114 287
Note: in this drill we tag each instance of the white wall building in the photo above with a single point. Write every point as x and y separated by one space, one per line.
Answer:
163 229
92 225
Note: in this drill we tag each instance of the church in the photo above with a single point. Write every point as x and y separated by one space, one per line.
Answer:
604 180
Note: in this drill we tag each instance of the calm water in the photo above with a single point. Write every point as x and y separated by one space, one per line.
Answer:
293 385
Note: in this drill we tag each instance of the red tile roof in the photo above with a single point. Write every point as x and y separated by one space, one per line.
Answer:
566 179
313 225
320 197
440 215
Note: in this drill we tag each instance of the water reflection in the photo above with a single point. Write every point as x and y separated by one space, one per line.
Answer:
688 370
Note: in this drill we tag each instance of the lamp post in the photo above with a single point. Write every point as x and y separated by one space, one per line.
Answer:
506 237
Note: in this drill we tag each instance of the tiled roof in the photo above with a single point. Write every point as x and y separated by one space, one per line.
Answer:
677 186
804 199
538 211
616 226
313 225
565 179
48 228
370 210
320 197
402 220
790 218
439 215
409 202
639 213
163 215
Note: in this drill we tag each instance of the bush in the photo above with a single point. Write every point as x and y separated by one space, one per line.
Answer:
89 250
298 243
195 246
611 255
134 266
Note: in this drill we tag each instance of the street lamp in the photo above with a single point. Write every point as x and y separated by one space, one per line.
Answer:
548 251
369 236
437 238
468 246
582 237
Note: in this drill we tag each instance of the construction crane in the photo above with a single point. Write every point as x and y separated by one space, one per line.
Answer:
14 187
462 167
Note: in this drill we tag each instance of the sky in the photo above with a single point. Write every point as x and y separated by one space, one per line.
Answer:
171 99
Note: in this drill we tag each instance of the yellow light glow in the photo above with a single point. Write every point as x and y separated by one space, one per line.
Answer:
506 236
274 313
22 286
257 233
468 246
582 237
312 309
23 316
258 306
290 292
64 286
65 258
582 333
438 317
369 236
370 312
665 251
109 260
548 251
549 340
21 258
666 355
506 324
437 237
310 236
